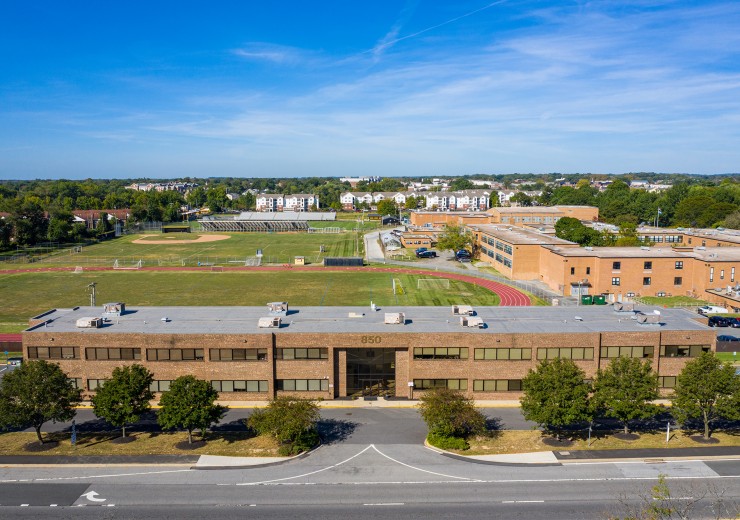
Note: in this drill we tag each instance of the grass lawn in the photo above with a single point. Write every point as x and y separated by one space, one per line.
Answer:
28 294
524 441
672 301
727 356
235 444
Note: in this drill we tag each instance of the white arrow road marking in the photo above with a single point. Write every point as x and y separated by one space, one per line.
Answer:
90 495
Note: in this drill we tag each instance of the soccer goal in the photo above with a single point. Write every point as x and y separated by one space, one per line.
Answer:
432 283
398 287
78 269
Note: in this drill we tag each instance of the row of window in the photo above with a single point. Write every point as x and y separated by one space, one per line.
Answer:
647 280
647 265
721 274
516 354
441 353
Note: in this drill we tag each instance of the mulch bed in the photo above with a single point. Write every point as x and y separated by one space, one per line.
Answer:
626 436
123 440
699 439
184 445
555 443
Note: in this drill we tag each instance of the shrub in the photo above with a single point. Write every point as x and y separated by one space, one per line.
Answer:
444 442
291 421
449 413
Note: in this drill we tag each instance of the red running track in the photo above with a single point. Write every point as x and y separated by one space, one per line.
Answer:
510 296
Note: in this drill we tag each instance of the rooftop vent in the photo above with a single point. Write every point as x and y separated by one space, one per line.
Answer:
624 307
269 323
356 315
114 309
89 323
589 248
395 318
278 308
645 248
472 321
463 310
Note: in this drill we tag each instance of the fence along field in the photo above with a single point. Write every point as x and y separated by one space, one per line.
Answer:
183 250
30 293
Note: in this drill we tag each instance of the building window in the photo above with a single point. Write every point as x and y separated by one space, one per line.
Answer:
679 264
648 266
76 382
667 381
452 384
440 353
683 350
174 354
572 270
634 352
615 280
565 353
732 274
722 274
239 386
53 352
512 354
677 280
588 270
497 385
94 384
616 266
711 274
302 353
646 280
302 385
160 386
107 354
238 354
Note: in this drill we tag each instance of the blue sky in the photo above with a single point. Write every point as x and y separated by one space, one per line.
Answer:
333 88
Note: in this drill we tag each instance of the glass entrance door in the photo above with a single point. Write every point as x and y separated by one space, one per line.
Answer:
371 372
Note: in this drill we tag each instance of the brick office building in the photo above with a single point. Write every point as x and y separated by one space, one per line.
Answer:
336 352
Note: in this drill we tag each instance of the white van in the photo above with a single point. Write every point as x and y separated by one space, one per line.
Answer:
712 309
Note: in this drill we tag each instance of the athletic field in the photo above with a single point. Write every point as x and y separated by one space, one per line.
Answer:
193 249
30 293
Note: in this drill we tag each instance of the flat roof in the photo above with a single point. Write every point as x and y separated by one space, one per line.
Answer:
728 235
715 254
527 209
339 320
519 235
618 252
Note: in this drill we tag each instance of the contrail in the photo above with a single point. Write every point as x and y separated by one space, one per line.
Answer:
451 20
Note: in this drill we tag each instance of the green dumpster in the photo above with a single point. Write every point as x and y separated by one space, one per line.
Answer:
587 300
600 300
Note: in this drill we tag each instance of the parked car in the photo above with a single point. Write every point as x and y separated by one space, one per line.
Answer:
463 254
15 361
427 254
725 337
463 259
420 250
718 321
712 309
734 322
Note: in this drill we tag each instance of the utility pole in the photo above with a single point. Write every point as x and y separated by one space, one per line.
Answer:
92 293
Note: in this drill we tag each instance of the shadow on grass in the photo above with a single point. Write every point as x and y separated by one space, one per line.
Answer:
335 430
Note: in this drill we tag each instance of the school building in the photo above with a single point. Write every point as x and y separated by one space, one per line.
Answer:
255 353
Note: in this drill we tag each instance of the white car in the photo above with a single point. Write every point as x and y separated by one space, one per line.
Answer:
712 309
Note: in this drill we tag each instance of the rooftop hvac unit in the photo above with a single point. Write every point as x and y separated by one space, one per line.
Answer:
89 323
278 308
460 310
472 321
114 309
269 323
624 307
649 319
395 318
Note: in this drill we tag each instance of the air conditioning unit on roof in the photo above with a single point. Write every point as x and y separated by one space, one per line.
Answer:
395 318
269 323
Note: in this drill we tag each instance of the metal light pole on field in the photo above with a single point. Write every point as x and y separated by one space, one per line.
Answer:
92 293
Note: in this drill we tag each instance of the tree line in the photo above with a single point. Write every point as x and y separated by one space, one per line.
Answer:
38 392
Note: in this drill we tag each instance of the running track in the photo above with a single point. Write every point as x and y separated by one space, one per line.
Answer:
510 297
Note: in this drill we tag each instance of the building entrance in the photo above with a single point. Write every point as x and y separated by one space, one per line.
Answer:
371 372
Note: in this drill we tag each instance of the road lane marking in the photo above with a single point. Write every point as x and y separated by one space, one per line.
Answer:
523 502
386 504
419 469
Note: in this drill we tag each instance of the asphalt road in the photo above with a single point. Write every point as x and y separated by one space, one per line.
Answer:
373 464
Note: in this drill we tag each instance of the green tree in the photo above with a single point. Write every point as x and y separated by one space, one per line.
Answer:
387 207
624 390
190 403
6 231
104 225
461 183
732 220
455 237
556 395
521 198
450 414
291 421
707 389
124 397
569 228
35 393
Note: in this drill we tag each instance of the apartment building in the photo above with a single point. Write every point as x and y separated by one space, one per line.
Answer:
277 202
